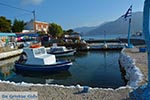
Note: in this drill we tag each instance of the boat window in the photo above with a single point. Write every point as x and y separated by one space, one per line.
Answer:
42 50
36 52
39 51
56 49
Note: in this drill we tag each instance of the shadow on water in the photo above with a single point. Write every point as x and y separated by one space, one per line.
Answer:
53 75
41 78
123 73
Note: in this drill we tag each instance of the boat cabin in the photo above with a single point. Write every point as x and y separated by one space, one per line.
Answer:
39 56
58 49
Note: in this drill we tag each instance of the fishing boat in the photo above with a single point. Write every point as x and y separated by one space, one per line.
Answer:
60 51
37 60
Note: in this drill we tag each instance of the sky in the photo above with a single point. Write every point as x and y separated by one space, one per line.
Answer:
69 14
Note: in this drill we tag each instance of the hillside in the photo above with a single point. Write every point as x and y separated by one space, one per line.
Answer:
83 30
119 26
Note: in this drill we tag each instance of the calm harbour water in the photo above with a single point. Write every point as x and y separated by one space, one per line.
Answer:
92 68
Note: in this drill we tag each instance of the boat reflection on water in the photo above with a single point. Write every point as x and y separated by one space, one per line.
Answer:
82 54
78 54
55 75
40 78
6 68
6 71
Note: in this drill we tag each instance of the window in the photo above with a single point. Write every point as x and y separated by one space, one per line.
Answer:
36 26
39 51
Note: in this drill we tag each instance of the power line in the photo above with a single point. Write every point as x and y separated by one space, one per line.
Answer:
15 7
20 15
33 12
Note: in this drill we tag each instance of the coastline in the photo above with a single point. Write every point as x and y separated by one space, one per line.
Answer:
59 92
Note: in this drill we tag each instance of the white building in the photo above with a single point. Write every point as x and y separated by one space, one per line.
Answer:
37 26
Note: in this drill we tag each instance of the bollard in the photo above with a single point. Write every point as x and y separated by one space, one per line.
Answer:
142 49
85 89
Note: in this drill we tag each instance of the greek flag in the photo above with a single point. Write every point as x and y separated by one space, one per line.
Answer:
128 14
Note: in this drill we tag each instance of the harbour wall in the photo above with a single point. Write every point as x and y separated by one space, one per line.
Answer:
120 40
132 72
9 54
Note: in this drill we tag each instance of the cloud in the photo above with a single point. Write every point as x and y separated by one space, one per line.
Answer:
34 2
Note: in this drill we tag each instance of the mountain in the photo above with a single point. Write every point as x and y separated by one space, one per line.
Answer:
84 29
119 26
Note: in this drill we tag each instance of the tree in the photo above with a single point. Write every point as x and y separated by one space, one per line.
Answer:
18 25
55 30
5 24
70 31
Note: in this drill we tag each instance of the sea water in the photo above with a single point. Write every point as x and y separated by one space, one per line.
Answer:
91 68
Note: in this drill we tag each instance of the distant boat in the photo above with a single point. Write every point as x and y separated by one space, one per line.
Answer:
39 61
141 37
60 51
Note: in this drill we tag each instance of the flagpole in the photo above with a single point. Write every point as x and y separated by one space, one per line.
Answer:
129 28
129 32
128 14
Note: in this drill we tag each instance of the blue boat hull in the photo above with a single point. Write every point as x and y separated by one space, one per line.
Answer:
60 66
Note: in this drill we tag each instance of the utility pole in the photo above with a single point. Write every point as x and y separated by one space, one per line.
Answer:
33 12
